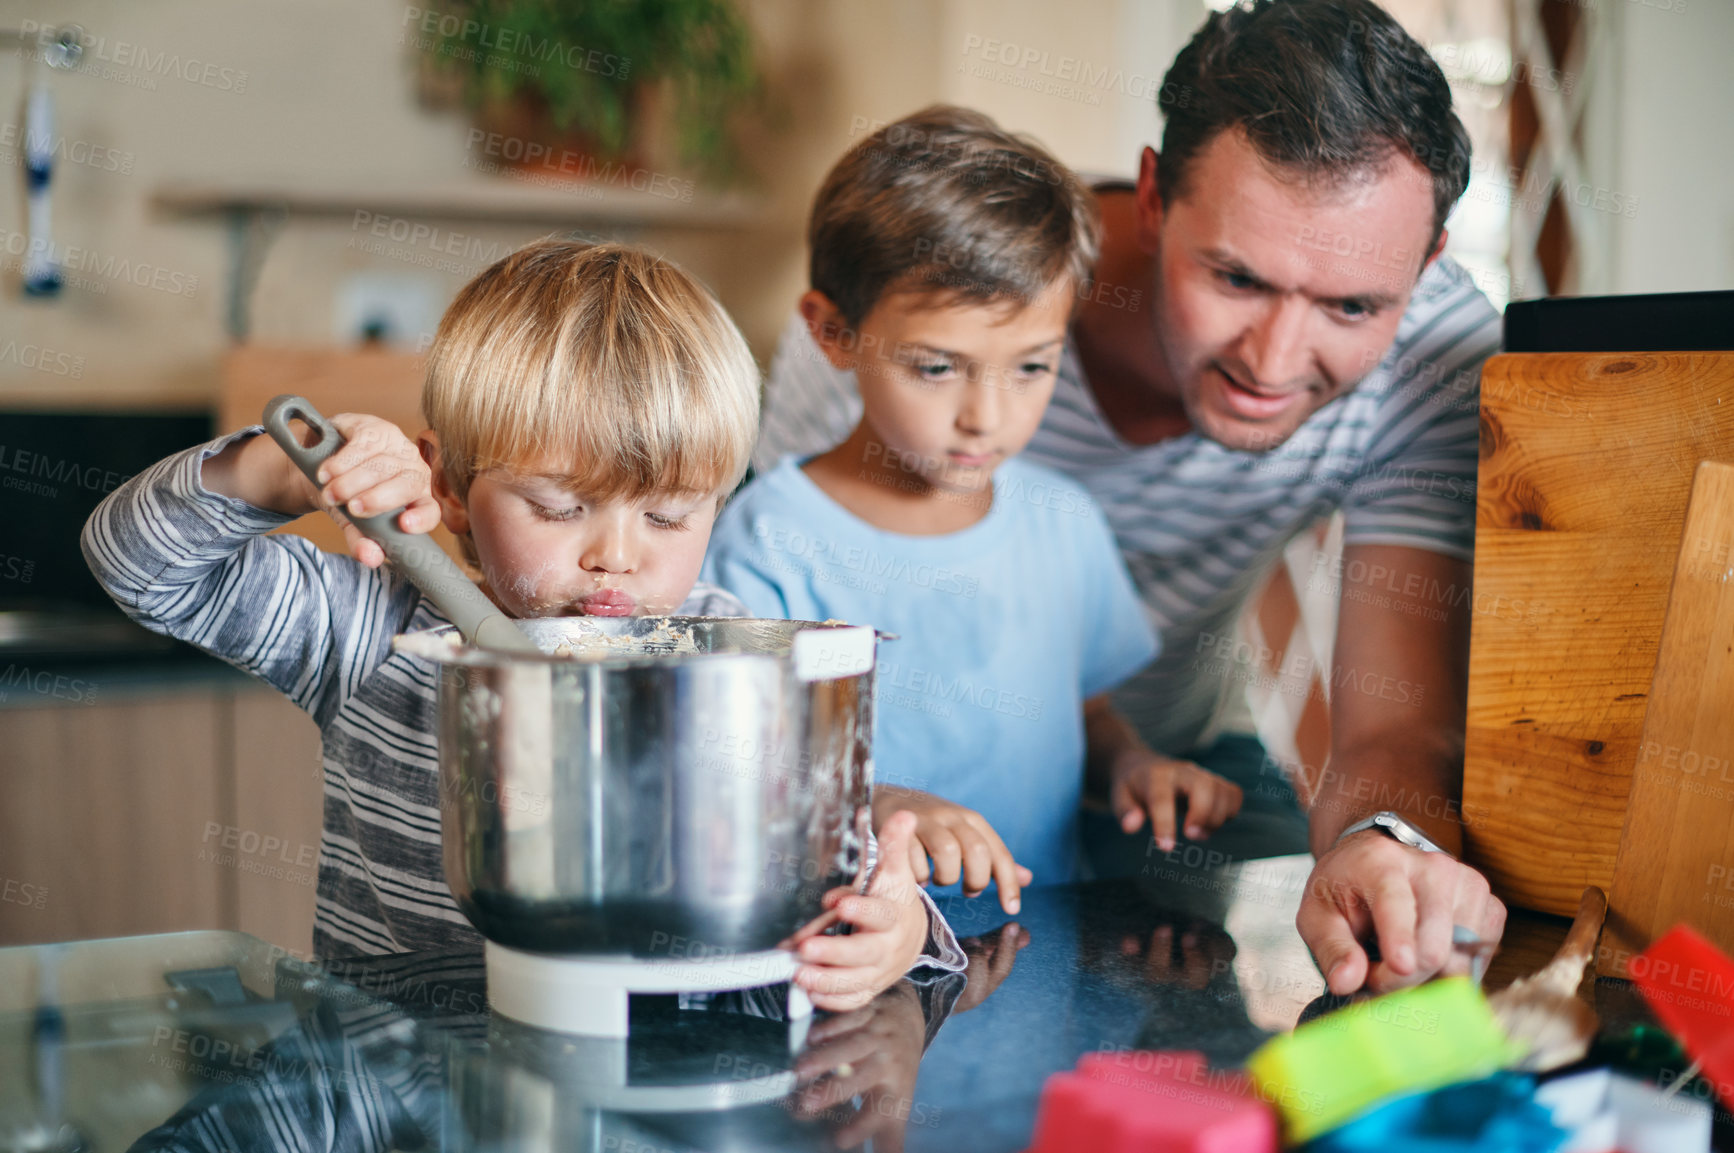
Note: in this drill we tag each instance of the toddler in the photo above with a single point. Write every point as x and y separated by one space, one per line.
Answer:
589 407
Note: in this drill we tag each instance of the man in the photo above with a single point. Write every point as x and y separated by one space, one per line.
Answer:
1272 335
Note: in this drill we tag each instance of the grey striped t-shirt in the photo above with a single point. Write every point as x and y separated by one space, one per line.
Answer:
1198 523
317 626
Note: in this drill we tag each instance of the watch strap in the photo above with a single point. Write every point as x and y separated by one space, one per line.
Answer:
1397 828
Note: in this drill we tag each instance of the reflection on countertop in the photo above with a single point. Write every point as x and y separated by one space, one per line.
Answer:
192 1038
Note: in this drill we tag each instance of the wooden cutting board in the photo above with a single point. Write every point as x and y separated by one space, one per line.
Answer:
1678 842
1586 464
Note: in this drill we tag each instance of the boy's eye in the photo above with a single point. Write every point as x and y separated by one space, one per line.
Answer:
934 369
661 520
1036 368
547 513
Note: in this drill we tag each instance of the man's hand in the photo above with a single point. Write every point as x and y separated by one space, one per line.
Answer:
1147 782
960 841
842 973
1370 887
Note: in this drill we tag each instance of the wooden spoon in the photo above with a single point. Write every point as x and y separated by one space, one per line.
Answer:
1541 1012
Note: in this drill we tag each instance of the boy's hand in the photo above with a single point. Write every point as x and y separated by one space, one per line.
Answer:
960 841
1148 782
991 957
377 470
842 973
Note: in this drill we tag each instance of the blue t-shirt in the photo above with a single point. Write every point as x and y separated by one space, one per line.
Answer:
1003 630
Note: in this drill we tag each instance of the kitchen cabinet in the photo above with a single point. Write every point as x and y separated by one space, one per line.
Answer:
148 808
279 791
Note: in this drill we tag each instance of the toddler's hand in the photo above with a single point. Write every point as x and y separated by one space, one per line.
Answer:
858 1070
960 841
378 469
845 972
1146 781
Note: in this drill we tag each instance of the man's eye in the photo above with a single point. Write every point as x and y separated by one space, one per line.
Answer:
1354 309
547 513
1237 280
661 521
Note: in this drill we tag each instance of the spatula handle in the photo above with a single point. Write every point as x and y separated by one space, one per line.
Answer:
417 555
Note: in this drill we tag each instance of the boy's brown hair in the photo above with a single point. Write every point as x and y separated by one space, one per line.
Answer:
602 361
946 202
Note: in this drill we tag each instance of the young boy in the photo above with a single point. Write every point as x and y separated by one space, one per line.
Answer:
590 407
946 257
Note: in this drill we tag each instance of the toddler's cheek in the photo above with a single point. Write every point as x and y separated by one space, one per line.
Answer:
534 590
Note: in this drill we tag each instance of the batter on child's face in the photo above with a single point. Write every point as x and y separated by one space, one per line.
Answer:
548 551
961 386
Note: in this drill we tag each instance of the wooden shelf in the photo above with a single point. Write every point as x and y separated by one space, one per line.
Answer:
554 200
251 212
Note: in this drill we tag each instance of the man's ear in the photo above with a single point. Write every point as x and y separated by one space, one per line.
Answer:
1149 203
830 331
454 513
1438 249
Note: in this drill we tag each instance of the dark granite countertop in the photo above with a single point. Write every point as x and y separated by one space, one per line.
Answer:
220 1041
1213 964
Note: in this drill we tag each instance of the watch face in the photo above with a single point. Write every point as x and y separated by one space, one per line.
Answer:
1397 827
1406 833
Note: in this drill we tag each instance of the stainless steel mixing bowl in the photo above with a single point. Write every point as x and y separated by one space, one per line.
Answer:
659 787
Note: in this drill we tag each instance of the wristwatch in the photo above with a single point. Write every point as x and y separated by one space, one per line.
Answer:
1397 827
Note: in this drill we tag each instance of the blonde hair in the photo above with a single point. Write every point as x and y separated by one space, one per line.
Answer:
599 362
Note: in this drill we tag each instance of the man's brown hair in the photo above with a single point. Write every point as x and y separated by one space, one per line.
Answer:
945 201
1326 89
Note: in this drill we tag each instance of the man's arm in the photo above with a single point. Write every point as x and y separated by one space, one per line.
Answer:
1399 677
1399 687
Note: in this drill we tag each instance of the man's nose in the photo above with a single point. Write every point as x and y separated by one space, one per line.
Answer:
1275 349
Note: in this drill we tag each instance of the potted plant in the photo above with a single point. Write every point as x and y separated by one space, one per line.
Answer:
605 77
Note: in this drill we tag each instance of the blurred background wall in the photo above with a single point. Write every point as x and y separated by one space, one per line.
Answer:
244 194
322 98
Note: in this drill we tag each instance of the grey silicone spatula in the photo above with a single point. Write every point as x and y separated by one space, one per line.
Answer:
416 555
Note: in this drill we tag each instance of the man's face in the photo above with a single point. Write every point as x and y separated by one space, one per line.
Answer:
1273 297
546 550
